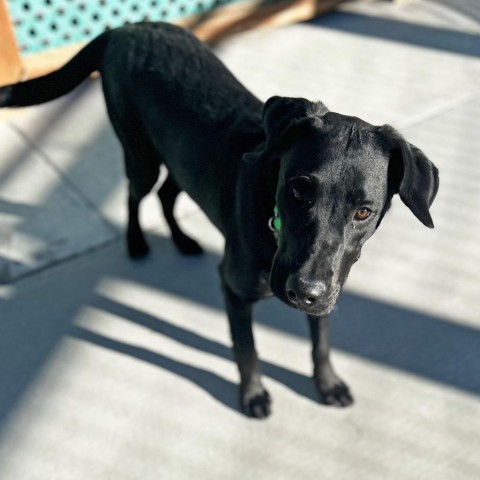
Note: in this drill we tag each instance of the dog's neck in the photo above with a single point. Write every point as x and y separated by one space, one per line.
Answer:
256 207
268 174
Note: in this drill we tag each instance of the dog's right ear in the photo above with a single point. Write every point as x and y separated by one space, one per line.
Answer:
281 116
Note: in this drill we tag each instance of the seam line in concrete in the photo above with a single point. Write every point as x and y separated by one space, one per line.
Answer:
55 263
64 178
436 111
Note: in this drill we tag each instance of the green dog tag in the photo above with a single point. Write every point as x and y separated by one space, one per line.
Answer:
277 223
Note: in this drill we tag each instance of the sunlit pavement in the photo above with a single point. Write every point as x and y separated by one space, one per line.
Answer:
117 370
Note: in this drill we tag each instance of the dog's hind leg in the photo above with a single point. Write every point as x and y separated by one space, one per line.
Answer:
142 170
168 194
137 246
142 165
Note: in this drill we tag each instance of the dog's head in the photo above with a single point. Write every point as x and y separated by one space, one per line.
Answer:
336 178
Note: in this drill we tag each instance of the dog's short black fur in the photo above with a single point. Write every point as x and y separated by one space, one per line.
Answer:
332 177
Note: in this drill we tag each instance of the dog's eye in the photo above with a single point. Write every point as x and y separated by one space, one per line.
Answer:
362 214
301 189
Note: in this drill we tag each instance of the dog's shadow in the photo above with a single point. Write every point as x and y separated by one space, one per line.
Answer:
388 335
219 388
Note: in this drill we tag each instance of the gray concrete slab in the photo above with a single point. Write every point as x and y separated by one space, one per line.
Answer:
118 370
74 144
129 375
382 70
42 221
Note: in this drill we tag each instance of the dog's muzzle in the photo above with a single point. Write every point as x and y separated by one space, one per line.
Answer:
311 297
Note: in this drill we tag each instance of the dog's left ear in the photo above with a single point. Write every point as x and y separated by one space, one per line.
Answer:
411 174
281 116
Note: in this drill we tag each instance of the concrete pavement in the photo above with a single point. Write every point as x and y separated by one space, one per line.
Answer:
117 370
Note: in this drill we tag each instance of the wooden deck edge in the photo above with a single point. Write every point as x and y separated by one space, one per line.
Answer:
231 19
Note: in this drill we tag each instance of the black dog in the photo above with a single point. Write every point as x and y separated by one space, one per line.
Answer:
329 177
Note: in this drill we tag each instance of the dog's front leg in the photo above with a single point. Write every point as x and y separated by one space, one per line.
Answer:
254 399
333 391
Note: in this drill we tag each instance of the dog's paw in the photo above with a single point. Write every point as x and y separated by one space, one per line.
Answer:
137 248
187 246
337 396
334 392
255 402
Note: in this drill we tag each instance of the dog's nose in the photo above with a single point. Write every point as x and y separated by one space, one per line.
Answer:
302 293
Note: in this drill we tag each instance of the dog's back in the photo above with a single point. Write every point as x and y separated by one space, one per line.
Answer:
197 116
171 101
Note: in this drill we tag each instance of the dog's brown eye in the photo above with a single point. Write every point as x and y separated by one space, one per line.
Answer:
362 213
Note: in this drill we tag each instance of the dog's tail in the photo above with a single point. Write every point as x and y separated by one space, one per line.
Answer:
58 83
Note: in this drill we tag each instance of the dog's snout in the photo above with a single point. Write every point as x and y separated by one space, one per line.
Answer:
304 294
